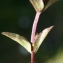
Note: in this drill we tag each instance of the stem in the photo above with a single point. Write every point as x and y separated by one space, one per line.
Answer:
35 26
33 35
32 54
32 57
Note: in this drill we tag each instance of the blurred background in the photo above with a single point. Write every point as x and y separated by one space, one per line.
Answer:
17 16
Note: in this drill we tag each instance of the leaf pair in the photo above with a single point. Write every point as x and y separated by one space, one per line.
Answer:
22 41
39 5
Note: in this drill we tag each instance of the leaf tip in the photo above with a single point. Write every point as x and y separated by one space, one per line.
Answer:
3 33
51 27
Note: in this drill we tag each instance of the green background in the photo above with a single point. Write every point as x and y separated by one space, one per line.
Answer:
17 16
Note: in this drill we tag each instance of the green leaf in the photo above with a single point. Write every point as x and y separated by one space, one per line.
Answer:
22 41
40 37
49 3
38 5
19 39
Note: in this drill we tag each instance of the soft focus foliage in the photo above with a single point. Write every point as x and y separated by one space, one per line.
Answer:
38 5
11 12
26 44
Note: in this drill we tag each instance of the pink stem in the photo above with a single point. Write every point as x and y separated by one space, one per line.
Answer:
33 35
35 26
32 53
32 57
